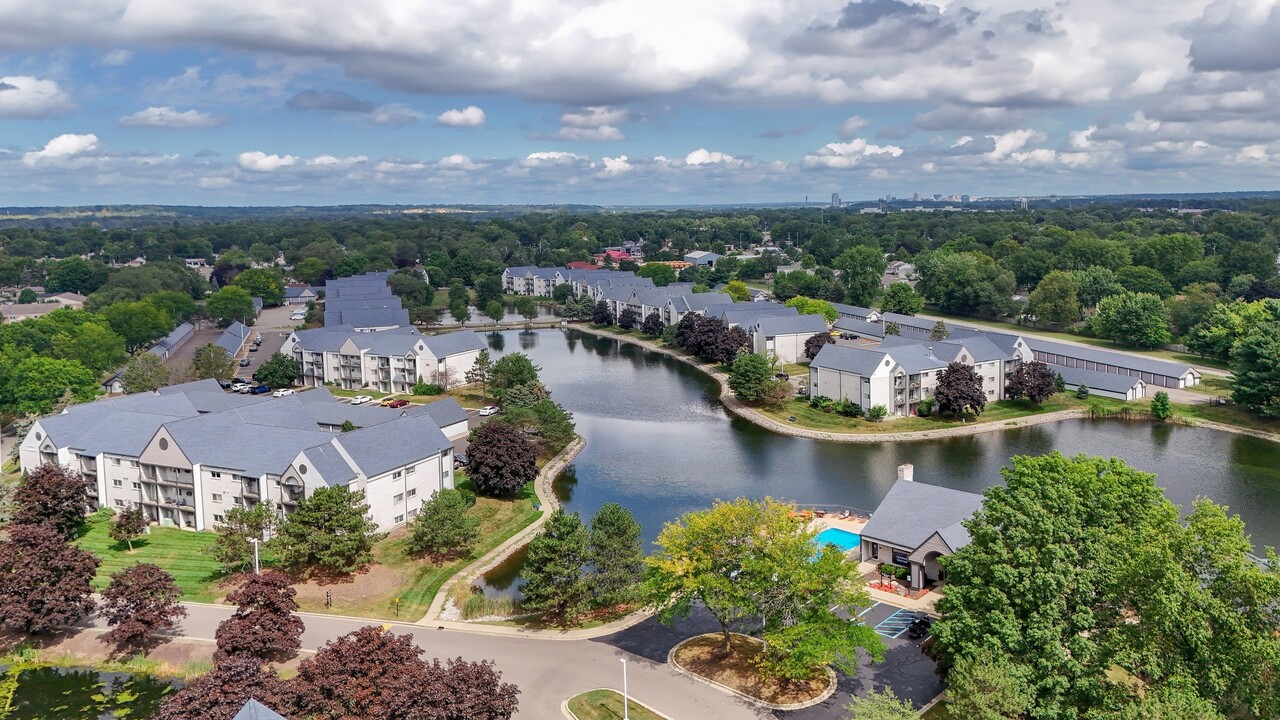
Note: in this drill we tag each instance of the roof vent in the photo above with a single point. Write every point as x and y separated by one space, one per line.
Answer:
907 471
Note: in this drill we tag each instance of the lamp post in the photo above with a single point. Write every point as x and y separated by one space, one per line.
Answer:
625 702
255 555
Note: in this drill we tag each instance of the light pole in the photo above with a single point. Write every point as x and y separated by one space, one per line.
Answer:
625 702
255 555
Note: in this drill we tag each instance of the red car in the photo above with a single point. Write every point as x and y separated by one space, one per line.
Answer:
397 403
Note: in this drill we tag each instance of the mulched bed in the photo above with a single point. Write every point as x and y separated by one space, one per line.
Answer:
704 656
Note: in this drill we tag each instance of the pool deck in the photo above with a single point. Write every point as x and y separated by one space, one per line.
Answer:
853 524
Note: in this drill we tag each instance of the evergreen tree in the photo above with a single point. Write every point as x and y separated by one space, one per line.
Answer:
481 369
1160 407
554 570
443 528
939 331
329 533
211 361
616 551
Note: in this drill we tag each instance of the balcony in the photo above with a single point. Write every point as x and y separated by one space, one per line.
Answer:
251 490
167 476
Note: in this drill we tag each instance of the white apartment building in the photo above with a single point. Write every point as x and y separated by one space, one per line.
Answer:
188 455
388 361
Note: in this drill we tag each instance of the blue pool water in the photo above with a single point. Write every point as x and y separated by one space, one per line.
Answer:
842 539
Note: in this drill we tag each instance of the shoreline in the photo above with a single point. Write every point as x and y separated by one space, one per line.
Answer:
740 409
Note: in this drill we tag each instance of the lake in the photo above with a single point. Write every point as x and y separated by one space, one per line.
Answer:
660 443
45 693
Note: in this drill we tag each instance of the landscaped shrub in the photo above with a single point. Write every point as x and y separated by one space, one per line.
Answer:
1082 392
925 408
877 413
822 402
424 388
849 408
896 571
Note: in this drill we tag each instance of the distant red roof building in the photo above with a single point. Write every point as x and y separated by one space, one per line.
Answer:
578 265
613 256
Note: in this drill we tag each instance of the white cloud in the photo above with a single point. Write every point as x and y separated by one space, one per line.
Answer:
167 117
395 115
614 167
551 157
702 156
961 141
459 162
594 116
929 167
24 96
1253 154
848 154
878 174
331 161
468 117
117 57
214 183
850 127
602 133
258 161
1012 141
61 147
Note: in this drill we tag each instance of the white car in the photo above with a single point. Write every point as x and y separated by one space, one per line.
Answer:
488 410
298 316
285 392
361 399
240 387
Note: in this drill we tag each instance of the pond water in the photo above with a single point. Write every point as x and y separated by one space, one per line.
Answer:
46 693
660 443
510 315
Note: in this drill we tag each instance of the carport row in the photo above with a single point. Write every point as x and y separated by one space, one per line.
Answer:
888 621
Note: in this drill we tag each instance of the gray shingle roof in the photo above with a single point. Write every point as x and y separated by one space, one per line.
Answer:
254 710
459 341
376 450
206 385
852 310
916 358
1096 380
228 440
328 461
445 412
807 325
912 511
233 337
851 360
860 327
368 317
1131 362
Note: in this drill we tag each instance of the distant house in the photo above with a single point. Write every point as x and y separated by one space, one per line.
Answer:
785 335
915 525
169 344
298 294
1110 385
702 257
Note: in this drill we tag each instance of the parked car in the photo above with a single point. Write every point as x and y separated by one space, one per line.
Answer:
246 389
386 401
243 381
259 389
361 399
257 339
459 459
298 316
224 384
398 403
282 392
253 348
781 376
919 627
244 362
488 410
239 386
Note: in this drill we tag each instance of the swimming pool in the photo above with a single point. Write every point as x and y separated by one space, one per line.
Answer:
842 539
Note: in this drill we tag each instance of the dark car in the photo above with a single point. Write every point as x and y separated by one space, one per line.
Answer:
226 384
782 376
919 627
253 348
244 362
260 389
397 403
459 459
245 381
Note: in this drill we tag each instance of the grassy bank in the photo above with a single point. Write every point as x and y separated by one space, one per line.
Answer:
811 418
181 553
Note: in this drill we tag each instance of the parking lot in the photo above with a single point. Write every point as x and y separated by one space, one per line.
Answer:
891 622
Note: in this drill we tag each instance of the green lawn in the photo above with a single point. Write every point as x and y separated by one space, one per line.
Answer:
937 712
607 705
179 552
1002 411
499 520
1189 358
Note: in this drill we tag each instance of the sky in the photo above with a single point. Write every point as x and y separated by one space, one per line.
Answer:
631 102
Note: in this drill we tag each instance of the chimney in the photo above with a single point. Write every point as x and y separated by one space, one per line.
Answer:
906 471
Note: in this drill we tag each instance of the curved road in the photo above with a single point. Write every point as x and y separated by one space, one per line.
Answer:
547 671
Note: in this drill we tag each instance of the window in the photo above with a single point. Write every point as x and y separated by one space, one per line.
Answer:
117 483
412 492
133 463
399 519
397 474
217 497
119 503
215 474
218 518
237 500
411 470
413 513
399 498
115 461
137 486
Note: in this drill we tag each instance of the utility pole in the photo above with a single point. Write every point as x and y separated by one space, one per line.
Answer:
255 555
625 702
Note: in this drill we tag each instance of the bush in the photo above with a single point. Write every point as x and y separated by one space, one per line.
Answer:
925 408
1082 392
821 402
892 570
848 408
877 413
423 388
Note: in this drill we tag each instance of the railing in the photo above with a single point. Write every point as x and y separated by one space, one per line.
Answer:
251 490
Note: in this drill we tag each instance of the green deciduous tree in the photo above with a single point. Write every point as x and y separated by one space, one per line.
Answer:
1192 306
139 323
1228 324
1055 299
211 361
231 546
752 561
810 306
1095 283
902 299
1141 279
494 311
279 371
555 569
615 551
1255 371
987 686
1160 407
966 282
860 269
230 304
748 376
460 311
1133 319
662 275
880 705
738 290
329 533
527 309
93 345
443 528
265 283
144 373
177 305
37 384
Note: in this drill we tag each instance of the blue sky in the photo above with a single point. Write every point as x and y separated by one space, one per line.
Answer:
631 101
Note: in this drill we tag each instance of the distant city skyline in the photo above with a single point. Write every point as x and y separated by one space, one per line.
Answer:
632 102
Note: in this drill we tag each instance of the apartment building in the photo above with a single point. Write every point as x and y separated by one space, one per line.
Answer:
189 454
363 302
387 361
